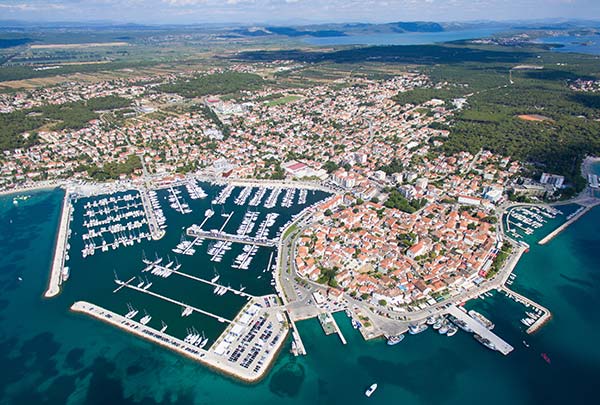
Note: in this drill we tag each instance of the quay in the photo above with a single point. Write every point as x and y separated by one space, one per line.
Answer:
564 226
546 314
481 330
181 304
195 232
252 372
60 250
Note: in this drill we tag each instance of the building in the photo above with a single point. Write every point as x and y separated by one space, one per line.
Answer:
553 179
466 200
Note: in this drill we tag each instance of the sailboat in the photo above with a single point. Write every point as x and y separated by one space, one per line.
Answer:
164 326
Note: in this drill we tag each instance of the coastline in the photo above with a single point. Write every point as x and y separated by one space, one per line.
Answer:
32 188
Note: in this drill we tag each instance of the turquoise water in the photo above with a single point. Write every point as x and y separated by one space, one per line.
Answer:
52 356
409 38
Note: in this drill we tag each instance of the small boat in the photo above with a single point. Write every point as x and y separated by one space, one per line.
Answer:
20 278
371 390
525 344
546 358
393 340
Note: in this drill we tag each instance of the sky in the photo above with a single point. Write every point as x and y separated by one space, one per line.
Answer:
293 11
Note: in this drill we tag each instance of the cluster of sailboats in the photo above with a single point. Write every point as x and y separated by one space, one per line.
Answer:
223 195
220 290
157 210
177 202
272 198
532 317
288 198
244 259
265 225
144 320
122 234
186 247
194 190
243 196
218 249
248 223
257 197
155 267
193 337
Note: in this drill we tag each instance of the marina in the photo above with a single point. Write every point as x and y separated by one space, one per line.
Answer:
160 300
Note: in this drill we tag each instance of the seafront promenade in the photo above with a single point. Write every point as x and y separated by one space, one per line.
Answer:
60 250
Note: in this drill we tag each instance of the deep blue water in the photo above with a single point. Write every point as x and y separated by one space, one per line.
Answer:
52 356
410 38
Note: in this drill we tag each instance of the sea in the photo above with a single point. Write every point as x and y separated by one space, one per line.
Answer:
408 38
589 44
50 355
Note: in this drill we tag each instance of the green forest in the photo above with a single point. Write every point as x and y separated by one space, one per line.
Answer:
213 84
72 116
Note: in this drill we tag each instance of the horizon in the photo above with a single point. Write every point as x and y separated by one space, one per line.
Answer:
258 12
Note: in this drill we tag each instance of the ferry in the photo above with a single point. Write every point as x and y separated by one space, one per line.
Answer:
482 320
394 340
415 329
486 342
371 390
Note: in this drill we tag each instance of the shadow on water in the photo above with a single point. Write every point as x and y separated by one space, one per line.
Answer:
288 379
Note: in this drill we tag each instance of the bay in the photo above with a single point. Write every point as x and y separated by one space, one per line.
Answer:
53 356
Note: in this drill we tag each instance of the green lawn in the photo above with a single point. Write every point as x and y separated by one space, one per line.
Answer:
283 100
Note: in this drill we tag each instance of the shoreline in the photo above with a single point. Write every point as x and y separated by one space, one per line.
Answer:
33 188
60 249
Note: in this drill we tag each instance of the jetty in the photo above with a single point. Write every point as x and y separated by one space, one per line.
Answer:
564 226
193 231
201 280
171 300
337 329
539 322
251 367
298 347
481 330
60 250
155 230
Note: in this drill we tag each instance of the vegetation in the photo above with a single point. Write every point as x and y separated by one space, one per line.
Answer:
73 116
396 200
113 170
327 276
499 260
217 83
